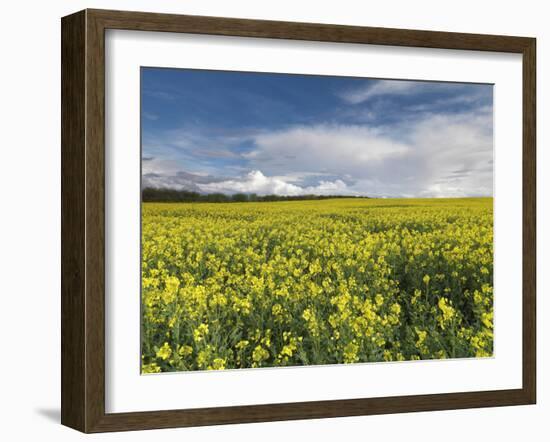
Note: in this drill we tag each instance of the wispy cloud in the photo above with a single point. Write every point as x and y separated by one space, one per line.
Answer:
420 95
382 87
150 116
479 100
160 94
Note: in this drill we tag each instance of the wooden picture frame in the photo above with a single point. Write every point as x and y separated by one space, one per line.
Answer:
83 220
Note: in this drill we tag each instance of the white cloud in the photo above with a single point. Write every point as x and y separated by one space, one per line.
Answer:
434 156
458 153
257 182
382 87
160 166
439 155
326 147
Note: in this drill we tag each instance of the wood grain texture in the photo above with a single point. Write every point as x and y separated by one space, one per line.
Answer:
529 221
145 21
95 222
83 220
73 255
308 410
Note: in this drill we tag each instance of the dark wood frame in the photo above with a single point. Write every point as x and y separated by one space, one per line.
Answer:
83 216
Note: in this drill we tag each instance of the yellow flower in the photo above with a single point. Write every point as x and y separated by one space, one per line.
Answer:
395 308
241 345
185 350
218 364
261 284
350 353
447 311
277 310
259 354
150 368
200 332
421 337
164 352
487 319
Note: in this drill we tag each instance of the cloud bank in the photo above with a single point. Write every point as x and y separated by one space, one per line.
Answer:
437 156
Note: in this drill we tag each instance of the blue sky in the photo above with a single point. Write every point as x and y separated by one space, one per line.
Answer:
216 131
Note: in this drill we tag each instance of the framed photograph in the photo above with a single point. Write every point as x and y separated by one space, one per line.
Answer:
267 220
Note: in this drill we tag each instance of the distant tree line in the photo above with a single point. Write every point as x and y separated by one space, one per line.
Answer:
165 195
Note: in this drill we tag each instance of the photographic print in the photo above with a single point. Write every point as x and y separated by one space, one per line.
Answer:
301 220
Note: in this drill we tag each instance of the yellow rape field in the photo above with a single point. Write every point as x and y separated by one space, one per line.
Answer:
243 285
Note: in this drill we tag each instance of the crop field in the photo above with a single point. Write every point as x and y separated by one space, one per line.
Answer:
244 285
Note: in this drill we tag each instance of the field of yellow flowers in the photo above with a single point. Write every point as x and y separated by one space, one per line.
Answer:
241 285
